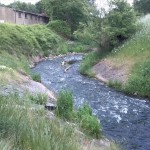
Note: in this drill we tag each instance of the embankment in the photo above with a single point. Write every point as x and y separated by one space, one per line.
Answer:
127 68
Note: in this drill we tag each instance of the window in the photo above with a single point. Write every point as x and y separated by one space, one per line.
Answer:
35 17
19 14
31 17
26 16
39 18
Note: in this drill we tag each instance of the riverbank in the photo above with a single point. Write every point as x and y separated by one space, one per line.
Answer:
21 48
126 68
120 115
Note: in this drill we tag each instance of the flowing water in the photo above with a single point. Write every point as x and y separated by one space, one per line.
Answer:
124 119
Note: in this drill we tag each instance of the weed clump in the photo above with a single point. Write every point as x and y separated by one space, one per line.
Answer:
65 105
36 77
88 123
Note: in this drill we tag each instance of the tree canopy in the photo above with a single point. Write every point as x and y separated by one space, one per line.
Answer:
143 6
121 21
71 11
37 8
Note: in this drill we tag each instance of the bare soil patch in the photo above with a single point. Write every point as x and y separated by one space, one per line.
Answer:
107 70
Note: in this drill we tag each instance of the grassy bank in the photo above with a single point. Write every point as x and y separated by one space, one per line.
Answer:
135 55
19 44
20 125
22 128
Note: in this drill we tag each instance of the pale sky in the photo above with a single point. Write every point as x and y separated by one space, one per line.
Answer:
102 3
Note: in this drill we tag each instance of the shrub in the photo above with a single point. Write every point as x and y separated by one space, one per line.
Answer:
65 105
88 35
85 110
89 123
39 98
36 77
61 27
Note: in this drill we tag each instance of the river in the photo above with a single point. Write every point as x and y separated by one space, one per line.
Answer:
124 119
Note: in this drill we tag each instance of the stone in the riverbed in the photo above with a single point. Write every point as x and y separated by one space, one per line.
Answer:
50 106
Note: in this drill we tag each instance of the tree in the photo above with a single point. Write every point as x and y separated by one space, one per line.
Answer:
121 22
71 11
39 7
23 6
142 6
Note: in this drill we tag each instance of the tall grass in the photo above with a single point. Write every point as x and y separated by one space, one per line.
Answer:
23 127
27 40
83 117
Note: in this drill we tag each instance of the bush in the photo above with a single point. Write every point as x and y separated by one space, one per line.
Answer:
87 35
61 27
89 123
65 105
85 110
36 77
39 98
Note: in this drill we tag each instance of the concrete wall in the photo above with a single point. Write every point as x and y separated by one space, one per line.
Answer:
7 15
28 19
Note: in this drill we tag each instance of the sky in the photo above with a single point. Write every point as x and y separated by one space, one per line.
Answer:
102 3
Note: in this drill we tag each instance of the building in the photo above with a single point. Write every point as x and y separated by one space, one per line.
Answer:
9 15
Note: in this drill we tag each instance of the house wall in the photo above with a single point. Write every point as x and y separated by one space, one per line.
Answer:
7 15
28 19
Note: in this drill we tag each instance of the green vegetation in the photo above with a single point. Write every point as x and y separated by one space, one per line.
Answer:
90 60
88 35
87 122
39 98
61 27
19 44
65 105
36 77
73 12
23 127
135 54
37 8
115 84
142 6
120 23
28 40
